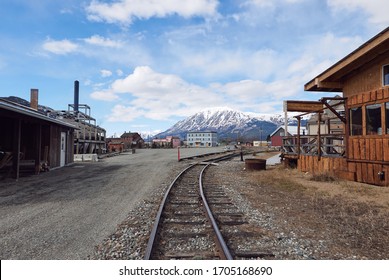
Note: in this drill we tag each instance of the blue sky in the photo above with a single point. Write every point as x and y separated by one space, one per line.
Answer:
144 65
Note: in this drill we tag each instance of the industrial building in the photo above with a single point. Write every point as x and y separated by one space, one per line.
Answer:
89 138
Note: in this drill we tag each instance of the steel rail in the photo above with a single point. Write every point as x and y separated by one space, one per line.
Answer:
221 244
154 230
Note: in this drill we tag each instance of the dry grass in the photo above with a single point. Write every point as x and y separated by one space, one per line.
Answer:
356 213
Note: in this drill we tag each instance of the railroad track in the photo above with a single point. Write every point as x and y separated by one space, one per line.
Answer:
199 221
184 227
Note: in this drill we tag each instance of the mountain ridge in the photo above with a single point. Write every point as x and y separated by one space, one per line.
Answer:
230 124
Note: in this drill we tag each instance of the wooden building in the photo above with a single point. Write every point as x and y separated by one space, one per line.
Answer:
115 145
277 135
132 140
361 152
31 141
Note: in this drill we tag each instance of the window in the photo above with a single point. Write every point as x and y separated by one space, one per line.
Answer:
356 121
385 71
373 119
387 117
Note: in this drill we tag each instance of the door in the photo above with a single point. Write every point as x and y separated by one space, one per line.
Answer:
63 149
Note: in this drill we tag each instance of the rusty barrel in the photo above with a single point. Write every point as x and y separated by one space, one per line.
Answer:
255 164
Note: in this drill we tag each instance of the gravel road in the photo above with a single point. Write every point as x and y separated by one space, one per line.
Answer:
65 213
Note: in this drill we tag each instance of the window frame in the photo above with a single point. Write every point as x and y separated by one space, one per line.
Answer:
377 130
362 132
385 71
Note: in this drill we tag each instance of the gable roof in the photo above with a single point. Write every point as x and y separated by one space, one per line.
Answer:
292 130
129 134
332 78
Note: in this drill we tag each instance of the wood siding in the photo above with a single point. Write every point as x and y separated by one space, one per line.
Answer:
367 79
367 155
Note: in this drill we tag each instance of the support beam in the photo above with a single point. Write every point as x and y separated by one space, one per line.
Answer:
319 136
343 119
16 149
298 135
38 149
303 106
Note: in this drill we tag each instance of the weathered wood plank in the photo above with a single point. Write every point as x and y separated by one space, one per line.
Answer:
372 147
385 147
373 95
369 173
379 94
359 172
303 106
366 97
386 92
379 151
359 98
364 172
367 148
357 154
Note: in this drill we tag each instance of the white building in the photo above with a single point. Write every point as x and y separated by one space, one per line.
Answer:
202 139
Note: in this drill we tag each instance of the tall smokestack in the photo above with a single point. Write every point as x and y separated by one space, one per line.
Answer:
76 95
34 99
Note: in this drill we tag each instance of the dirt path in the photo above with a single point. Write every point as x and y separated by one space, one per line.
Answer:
64 213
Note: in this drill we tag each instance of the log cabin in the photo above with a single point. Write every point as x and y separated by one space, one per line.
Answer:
361 152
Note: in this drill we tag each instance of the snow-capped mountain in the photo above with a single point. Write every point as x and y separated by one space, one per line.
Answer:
230 124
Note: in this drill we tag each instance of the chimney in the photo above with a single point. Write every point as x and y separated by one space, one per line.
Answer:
76 94
34 99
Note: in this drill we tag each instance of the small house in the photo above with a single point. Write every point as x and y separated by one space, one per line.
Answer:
361 152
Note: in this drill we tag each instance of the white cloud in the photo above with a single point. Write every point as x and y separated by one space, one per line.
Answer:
103 42
60 47
120 113
156 96
104 95
148 94
376 9
220 62
124 11
323 51
119 72
105 73
269 3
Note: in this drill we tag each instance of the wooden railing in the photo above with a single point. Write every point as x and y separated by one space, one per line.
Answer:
325 145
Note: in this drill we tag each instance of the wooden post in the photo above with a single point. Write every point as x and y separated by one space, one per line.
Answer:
346 129
286 118
319 136
16 150
38 152
298 135
78 142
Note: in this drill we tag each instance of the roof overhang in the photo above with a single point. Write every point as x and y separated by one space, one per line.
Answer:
332 79
31 113
302 106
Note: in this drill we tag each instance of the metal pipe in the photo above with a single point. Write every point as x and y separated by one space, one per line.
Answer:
76 95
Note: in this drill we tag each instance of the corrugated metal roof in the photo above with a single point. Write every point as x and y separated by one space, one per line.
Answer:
30 112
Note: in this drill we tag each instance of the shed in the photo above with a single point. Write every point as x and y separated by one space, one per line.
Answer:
32 141
277 135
